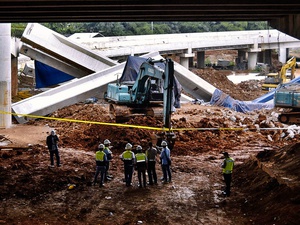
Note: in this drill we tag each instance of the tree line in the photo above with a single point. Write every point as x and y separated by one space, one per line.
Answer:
143 28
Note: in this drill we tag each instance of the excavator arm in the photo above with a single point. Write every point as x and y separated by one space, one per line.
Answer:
141 96
291 63
142 86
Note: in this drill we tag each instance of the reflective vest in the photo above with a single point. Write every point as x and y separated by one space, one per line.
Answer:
140 157
127 155
100 156
229 165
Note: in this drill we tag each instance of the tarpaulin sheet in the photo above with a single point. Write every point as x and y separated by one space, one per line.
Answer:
131 71
46 76
220 98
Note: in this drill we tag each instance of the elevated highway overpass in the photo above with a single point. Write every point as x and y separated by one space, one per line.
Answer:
281 14
246 42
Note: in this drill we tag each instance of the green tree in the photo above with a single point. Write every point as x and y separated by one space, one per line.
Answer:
17 29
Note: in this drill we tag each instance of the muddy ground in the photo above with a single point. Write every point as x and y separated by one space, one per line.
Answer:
265 188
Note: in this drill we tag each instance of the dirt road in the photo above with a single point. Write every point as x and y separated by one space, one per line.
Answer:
33 193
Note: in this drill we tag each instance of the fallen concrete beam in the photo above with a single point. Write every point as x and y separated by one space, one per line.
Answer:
193 84
70 93
37 55
62 48
67 94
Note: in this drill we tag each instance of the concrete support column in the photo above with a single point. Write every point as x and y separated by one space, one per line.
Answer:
14 76
184 58
191 62
5 75
252 60
265 57
201 60
252 55
282 55
241 56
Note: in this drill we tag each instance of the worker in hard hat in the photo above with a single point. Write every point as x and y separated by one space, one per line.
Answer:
141 165
227 167
165 158
101 160
52 144
128 158
109 156
151 154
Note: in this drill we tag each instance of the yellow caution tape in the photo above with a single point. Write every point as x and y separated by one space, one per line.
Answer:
146 127
86 121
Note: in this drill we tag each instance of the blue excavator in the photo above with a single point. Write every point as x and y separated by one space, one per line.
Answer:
287 96
150 94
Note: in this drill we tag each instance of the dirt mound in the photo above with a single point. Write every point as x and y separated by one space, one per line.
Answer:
244 91
271 186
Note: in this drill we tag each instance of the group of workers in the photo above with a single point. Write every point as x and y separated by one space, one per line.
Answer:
139 161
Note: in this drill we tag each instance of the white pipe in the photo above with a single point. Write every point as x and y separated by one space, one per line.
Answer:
5 75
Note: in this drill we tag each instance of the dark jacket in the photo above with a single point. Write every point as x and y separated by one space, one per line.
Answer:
52 141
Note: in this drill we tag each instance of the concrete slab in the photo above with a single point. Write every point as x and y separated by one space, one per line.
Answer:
63 49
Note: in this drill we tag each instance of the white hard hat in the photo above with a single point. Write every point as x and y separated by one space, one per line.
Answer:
101 146
164 143
128 146
52 132
106 142
138 148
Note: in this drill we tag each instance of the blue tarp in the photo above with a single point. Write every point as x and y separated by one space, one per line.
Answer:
219 98
131 71
46 76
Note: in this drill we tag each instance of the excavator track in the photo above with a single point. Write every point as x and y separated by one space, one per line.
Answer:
289 118
123 113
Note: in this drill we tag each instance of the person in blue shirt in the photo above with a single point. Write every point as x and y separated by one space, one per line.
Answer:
165 158
109 156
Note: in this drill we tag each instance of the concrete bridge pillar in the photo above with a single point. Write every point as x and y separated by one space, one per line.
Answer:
201 60
184 58
5 75
282 55
241 55
265 56
252 60
252 55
